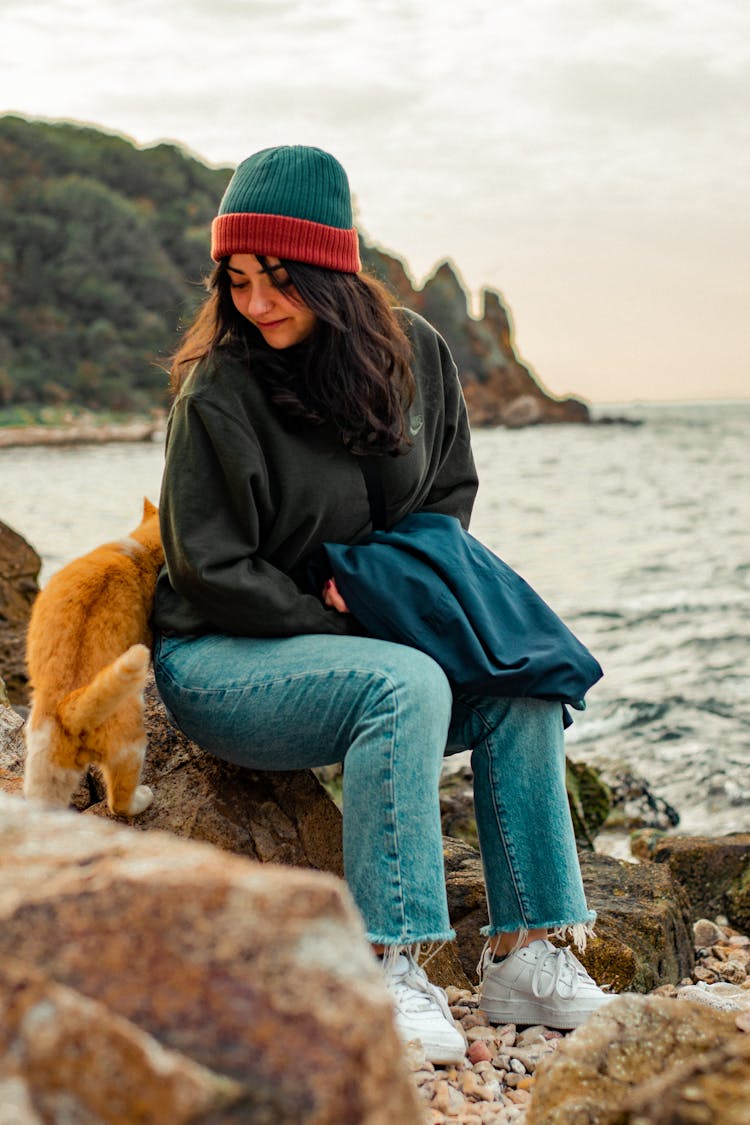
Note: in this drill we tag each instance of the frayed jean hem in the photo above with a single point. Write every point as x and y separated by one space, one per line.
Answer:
576 932
404 942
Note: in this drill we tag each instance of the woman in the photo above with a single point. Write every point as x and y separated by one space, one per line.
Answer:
296 373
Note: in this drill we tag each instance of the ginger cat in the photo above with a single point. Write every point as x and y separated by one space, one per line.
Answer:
88 650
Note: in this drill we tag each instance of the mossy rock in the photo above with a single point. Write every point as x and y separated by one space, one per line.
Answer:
714 871
590 801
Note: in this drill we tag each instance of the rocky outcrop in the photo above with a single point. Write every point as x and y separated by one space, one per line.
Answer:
647 1061
499 389
19 573
146 978
643 925
271 817
715 871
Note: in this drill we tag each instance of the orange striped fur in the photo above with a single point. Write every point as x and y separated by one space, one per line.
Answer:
88 651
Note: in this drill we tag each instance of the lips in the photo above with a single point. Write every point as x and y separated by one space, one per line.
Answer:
270 323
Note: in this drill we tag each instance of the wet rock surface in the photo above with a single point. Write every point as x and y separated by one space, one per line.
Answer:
19 573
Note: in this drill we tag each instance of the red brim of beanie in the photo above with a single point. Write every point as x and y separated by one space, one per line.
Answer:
282 236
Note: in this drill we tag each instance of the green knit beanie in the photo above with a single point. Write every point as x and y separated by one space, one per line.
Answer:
289 202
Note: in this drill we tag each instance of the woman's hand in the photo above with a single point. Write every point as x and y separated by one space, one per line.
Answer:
332 597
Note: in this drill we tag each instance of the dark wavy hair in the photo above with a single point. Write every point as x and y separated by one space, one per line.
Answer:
353 371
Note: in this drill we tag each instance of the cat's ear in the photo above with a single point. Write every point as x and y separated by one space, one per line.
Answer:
149 509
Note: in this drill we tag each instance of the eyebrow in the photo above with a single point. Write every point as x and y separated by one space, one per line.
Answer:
263 269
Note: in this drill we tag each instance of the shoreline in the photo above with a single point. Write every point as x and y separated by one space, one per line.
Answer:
140 430
83 433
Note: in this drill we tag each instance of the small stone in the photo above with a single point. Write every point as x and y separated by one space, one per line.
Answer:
508 1115
496 1089
459 1011
447 1098
706 934
487 1034
479 1052
457 995
520 1097
708 976
476 1019
531 1057
532 1034
526 1083
486 1069
473 1087
734 972
517 1066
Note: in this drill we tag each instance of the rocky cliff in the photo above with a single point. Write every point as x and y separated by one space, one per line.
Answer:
499 389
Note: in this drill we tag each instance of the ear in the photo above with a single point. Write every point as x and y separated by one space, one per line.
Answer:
149 509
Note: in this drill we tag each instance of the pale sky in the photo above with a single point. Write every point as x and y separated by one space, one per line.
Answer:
590 159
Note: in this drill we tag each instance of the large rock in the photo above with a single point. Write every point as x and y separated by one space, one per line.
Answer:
714 870
643 936
255 981
59 1052
647 1061
274 817
19 573
643 926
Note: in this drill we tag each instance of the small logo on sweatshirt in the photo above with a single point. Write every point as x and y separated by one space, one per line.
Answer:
415 424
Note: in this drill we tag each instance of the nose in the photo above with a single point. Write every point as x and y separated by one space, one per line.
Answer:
259 303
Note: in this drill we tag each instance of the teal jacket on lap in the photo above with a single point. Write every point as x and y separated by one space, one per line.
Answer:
428 583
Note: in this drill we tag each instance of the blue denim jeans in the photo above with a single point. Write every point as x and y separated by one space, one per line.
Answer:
387 712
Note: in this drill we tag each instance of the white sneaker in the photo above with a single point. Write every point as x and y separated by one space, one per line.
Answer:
539 984
422 1012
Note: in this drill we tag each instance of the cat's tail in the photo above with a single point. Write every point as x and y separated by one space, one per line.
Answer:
90 705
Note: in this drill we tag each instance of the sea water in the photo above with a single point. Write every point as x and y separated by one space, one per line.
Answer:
638 535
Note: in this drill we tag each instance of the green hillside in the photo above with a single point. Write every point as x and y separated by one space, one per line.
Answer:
102 249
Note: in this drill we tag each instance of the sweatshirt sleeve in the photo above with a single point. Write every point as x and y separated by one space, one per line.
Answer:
214 477
454 487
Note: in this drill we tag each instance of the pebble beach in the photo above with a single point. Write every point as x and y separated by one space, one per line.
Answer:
494 1086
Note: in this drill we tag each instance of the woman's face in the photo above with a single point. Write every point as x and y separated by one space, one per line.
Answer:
278 314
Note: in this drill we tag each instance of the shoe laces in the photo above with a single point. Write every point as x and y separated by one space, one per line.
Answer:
563 967
412 990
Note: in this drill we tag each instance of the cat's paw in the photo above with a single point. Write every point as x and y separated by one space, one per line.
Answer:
140 800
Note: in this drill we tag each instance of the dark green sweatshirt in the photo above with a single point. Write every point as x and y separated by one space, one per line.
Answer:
249 493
